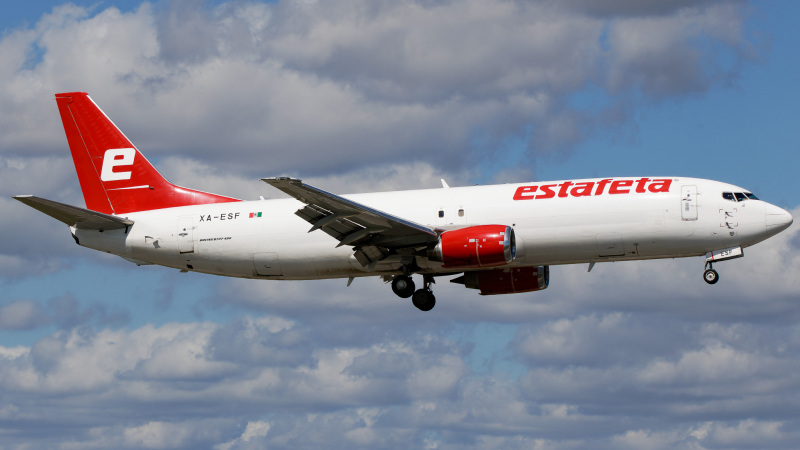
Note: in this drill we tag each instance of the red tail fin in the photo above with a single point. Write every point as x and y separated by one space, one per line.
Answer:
115 177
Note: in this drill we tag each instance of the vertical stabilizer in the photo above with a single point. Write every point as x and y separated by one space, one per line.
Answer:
115 177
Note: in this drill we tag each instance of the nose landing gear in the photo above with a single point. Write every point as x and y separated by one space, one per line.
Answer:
710 275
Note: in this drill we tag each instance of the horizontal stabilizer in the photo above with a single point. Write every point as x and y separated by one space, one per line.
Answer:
74 216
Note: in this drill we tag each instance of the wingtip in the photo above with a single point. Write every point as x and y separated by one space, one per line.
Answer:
271 180
26 199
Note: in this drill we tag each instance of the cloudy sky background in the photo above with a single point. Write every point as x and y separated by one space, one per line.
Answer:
358 96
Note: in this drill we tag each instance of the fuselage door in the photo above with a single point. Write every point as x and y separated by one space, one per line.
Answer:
689 202
185 235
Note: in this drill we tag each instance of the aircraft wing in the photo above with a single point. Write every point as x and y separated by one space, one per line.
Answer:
74 216
352 223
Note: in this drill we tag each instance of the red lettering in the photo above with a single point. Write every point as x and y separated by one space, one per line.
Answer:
564 186
601 185
660 186
618 184
582 189
640 184
522 192
547 191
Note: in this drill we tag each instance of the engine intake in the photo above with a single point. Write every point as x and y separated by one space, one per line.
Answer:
473 247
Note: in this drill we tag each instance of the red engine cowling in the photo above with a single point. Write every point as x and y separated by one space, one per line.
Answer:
473 247
507 281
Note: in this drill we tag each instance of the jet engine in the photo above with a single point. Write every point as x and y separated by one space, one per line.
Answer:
474 247
506 281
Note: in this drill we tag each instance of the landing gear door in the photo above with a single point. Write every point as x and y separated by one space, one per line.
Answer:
689 202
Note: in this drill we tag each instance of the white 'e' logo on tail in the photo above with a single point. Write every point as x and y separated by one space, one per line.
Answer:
115 157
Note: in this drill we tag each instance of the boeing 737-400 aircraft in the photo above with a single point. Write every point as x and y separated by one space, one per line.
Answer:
498 239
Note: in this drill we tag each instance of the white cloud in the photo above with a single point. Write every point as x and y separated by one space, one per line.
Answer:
253 431
292 382
747 433
336 87
177 365
386 177
156 435
656 53
20 315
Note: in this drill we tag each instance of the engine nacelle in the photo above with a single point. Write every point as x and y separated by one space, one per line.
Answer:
473 247
507 281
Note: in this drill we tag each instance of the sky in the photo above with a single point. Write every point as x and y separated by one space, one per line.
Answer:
359 96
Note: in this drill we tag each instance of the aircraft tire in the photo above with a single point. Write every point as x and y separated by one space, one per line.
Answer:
711 276
424 300
403 286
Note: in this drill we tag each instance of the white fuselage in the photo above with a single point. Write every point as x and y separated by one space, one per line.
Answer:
560 222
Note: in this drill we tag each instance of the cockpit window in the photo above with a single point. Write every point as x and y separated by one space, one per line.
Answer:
738 196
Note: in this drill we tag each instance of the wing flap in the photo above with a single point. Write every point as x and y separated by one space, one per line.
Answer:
74 216
352 223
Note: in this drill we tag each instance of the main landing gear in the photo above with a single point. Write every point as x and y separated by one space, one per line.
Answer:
403 286
710 275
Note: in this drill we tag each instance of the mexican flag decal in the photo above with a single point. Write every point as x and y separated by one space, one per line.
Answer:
256 214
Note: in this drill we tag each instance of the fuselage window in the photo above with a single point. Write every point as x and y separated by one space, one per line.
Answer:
740 196
441 213
460 213
728 196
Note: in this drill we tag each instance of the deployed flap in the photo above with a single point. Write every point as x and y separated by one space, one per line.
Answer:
74 216
352 223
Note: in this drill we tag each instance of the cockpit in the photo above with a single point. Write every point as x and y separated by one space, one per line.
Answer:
738 196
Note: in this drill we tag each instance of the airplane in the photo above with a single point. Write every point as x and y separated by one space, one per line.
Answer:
497 239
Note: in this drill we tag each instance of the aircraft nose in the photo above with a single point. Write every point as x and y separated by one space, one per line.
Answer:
777 219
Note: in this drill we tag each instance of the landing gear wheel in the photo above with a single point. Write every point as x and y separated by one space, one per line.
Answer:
711 276
424 300
403 286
